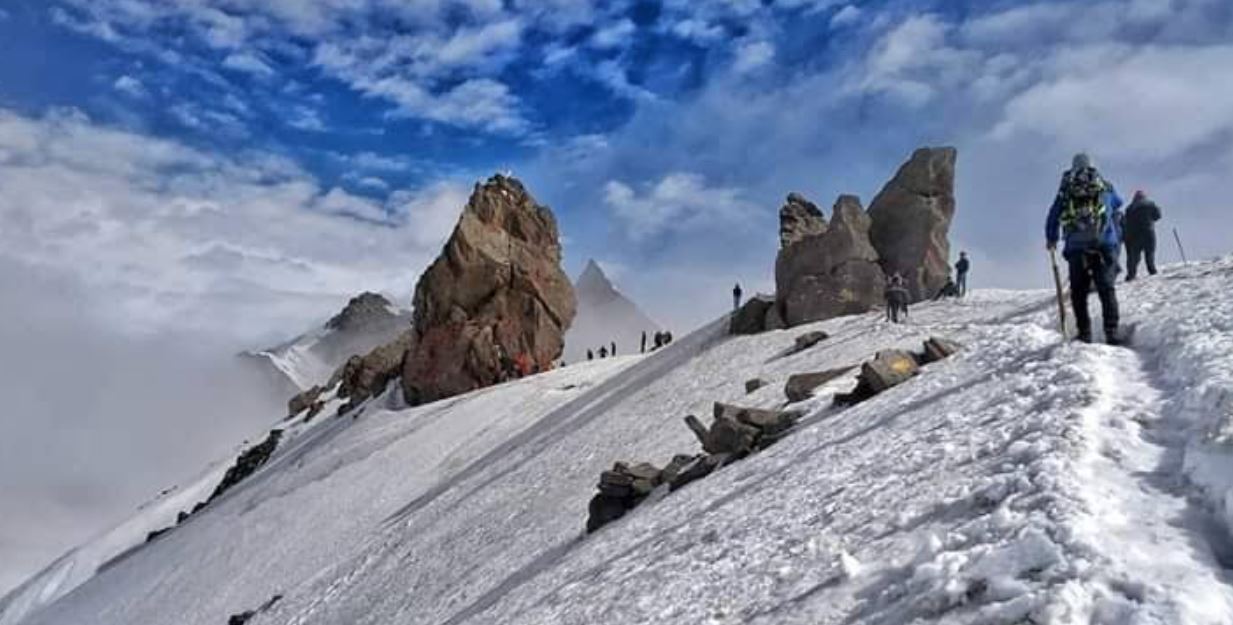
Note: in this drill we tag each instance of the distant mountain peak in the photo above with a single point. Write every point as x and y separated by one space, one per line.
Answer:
363 310
594 282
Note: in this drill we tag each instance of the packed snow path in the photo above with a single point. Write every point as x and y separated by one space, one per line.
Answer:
1023 481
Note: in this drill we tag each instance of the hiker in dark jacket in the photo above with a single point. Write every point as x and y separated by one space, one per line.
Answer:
736 297
643 341
613 350
1140 234
897 297
961 269
1087 210
950 289
590 355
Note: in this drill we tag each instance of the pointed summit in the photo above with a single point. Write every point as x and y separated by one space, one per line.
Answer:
605 316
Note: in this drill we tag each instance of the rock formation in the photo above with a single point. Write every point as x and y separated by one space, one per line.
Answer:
605 315
497 286
799 218
834 273
911 218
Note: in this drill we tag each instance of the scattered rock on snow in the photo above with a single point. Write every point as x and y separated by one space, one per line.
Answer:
936 349
621 489
753 385
247 615
808 340
497 287
302 401
741 431
800 386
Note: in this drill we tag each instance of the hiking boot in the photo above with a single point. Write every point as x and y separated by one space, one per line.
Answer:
1113 338
1083 338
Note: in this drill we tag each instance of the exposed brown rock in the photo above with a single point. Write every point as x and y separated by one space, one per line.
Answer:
366 376
911 219
800 386
497 286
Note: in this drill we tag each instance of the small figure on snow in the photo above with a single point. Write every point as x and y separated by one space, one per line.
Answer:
1140 234
897 298
736 297
961 269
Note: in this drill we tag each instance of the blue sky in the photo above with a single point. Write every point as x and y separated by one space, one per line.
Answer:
302 150
189 176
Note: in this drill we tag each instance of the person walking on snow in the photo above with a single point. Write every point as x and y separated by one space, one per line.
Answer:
961 269
736 297
897 297
1087 212
1140 233
614 348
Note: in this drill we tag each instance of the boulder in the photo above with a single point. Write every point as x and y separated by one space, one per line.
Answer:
808 340
911 220
753 385
751 317
497 289
800 386
831 274
738 431
799 218
698 468
887 369
774 320
622 488
303 401
936 349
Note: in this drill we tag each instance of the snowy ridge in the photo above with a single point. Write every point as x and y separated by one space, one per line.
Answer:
1021 481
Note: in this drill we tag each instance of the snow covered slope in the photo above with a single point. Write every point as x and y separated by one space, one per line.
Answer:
1022 481
605 315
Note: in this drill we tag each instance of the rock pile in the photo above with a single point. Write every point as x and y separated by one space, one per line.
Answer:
830 272
739 432
497 289
911 218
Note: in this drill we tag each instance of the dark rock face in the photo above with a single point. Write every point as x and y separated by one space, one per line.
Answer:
751 317
830 274
366 376
497 286
911 219
252 459
801 385
798 219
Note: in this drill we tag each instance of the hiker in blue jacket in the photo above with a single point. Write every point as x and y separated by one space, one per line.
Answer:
1087 210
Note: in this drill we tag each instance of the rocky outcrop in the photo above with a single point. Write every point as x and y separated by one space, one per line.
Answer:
741 431
497 289
830 274
368 375
751 317
798 219
911 220
252 459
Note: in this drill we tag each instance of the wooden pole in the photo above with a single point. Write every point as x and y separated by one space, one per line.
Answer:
1061 300
1178 238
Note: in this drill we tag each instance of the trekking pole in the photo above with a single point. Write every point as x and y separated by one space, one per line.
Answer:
1181 249
1061 302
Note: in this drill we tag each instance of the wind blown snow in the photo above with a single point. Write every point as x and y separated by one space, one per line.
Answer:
1023 480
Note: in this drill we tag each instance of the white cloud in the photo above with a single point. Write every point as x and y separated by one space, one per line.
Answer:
753 55
846 16
614 35
913 61
679 202
166 236
248 62
130 86
307 119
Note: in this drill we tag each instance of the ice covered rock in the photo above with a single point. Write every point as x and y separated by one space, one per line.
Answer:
911 219
833 273
497 287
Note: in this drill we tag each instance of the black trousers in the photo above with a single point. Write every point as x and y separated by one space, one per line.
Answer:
1137 249
1090 270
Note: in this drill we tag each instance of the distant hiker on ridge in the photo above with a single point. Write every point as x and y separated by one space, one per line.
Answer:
1087 211
643 341
603 352
961 269
613 351
897 297
736 296
590 355
1140 234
